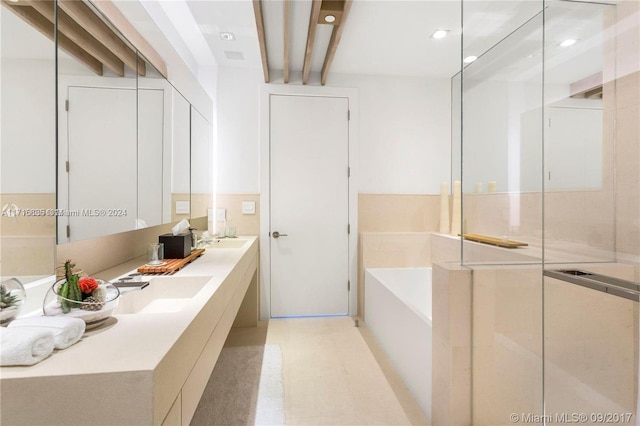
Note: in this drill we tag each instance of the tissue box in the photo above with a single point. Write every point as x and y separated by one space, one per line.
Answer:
176 246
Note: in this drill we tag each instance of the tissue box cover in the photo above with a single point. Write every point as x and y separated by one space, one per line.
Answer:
176 246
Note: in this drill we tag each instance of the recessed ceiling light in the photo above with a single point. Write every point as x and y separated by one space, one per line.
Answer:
329 18
469 59
14 1
568 42
439 34
226 36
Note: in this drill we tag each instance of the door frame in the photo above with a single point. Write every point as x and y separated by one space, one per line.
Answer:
265 212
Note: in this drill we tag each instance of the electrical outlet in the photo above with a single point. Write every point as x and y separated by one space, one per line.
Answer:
182 207
248 207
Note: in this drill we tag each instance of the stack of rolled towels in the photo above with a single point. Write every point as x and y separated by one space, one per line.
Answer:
28 341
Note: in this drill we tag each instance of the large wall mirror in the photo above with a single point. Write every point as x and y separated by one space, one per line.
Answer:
201 170
124 136
27 146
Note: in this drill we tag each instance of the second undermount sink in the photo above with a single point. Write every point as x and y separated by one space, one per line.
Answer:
227 243
162 295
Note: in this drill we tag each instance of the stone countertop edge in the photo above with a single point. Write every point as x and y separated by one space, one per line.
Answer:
139 342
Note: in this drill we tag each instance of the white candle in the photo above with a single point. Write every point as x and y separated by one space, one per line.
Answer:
456 208
444 207
478 186
491 186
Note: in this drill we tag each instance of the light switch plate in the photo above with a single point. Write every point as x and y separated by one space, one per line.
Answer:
182 207
248 207
221 215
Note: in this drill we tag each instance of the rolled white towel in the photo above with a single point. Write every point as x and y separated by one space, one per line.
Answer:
66 330
24 346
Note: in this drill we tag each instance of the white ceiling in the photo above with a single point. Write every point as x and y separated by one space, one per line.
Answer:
381 37
389 37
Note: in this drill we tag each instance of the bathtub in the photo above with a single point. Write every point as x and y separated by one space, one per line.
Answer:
398 314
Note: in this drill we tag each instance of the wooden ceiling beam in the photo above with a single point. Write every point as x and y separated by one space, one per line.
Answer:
336 35
257 12
79 35
46 27
311 38
287 25
87 19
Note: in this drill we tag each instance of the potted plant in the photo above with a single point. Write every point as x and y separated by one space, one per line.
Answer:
84 297
12 296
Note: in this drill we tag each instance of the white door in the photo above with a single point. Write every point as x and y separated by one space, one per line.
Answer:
309 205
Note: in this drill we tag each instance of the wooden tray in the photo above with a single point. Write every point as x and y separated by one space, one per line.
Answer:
171 265
494 241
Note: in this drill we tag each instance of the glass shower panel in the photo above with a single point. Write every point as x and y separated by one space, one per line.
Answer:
579 136
501 169
501 130
591 211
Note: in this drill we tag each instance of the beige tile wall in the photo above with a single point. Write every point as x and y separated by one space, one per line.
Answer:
29 225
27 243
102 253
246 224
590 343
507 343
394 232
628 164
27 256
200 204
179 197
580 217
391 250
398 213
590 347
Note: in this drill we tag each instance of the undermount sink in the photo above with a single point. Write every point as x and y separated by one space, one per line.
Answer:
227 243
162 295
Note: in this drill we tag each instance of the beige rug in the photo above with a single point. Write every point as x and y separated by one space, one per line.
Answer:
245 388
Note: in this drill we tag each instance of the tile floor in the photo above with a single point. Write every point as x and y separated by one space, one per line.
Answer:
334 373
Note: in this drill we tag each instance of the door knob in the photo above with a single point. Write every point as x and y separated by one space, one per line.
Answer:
276 234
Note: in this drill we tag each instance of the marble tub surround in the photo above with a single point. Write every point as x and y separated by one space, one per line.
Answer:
451 357
591 360
390 250
488 343
141 367
421 249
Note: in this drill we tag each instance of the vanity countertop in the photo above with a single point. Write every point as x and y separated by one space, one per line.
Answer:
140 341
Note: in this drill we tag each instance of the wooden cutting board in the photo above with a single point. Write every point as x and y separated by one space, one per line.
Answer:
170 265
494 241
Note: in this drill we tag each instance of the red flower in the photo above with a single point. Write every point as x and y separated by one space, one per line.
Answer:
87 284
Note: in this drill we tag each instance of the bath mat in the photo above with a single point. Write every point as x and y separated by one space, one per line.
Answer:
245 388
